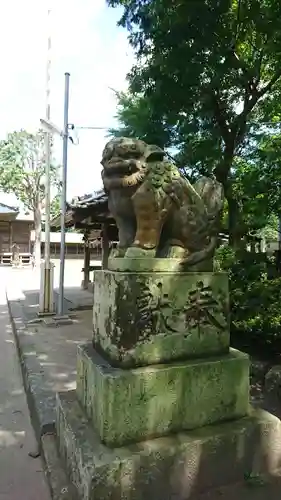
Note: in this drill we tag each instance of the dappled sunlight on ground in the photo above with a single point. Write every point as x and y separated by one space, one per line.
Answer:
54 349
51 350
21 476
9 438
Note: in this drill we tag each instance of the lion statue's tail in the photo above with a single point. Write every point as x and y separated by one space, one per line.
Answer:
212 194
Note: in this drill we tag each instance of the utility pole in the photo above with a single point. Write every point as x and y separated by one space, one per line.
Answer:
54 129
46 285
48 148
63 193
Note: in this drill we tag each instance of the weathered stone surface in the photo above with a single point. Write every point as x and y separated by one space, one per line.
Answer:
272 389
147 265
273 380
147 318
177 467
133 405
60 485
259 369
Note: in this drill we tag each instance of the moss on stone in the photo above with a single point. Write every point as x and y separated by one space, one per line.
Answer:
133 405
179 466
147 318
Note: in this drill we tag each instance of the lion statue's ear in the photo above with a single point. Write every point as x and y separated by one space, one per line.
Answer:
154 153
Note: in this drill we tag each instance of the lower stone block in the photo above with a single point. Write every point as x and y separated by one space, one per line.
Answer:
133 405
178 467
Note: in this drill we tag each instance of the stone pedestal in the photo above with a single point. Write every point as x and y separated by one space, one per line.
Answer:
127 406
157 317
161 408
176 467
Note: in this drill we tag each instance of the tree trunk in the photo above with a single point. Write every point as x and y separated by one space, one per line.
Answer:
222 175
233 221
37 239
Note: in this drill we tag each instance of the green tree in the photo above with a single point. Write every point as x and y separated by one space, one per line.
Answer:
55 206
209 69
256 176
137 119
256 170
22 172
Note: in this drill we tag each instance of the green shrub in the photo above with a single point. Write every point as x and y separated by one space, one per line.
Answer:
256 314
224 258
255 300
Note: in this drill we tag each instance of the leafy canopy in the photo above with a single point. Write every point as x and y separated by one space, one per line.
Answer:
210 71
204 65
138 119
22 167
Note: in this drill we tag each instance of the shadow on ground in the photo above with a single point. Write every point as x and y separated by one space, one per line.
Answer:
21 469
47 353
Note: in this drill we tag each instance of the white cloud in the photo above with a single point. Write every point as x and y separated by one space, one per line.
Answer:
85 42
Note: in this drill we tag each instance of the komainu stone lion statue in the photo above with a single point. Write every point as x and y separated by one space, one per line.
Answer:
157 211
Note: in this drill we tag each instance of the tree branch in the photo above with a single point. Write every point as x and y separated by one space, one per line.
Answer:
241 119
219 116
270 84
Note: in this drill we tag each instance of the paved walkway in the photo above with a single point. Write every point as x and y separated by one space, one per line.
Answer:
48 352
21 476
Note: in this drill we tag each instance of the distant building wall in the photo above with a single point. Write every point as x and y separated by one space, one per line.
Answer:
271 246
15 232
74 245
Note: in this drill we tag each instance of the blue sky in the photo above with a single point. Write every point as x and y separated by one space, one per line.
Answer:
85 42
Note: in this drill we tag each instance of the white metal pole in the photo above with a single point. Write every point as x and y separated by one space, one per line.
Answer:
63 195
48 152
46 287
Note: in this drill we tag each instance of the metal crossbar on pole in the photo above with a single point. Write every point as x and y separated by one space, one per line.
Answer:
91 128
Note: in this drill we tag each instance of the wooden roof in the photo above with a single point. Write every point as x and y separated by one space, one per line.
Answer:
7 209
88 212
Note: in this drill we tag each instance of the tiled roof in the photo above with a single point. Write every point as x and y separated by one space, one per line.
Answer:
6 209
93 207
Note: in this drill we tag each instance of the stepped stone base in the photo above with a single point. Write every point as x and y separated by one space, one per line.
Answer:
165 468
147 402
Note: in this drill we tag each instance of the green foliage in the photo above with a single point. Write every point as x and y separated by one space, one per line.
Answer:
55 206
255 292
211 80
224 258
256 314
270 231
255 173
138 119
22 167
256 176
206 73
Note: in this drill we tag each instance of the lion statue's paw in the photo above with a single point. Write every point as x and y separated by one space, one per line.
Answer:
139 253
